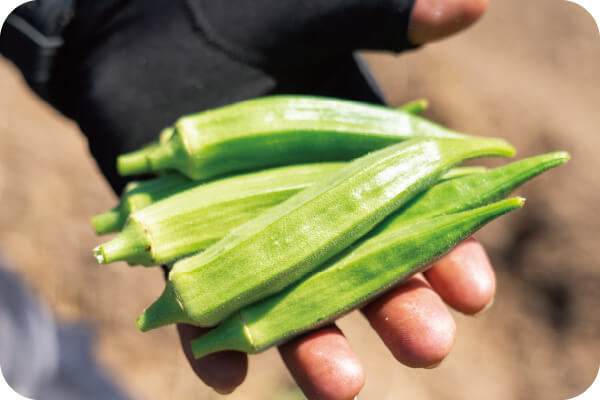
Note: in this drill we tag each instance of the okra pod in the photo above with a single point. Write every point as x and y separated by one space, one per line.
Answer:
397 250
287 241
190 221
474 190
140 194
278 130
347 281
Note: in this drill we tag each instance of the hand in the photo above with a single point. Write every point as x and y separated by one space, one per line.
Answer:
129 68
412 320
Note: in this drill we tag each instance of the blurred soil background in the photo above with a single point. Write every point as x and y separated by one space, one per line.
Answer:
527 72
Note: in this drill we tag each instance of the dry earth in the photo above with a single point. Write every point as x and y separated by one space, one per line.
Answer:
528 72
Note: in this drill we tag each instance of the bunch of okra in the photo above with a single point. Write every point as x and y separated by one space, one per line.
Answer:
278 215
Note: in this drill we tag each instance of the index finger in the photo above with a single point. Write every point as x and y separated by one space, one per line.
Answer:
223 371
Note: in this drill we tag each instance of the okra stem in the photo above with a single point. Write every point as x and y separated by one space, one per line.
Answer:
164 312
132 245
109 221
136 161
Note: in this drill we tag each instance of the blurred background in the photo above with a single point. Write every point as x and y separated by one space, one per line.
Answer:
528 72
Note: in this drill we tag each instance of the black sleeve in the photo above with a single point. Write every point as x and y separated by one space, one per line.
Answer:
279 34
128 68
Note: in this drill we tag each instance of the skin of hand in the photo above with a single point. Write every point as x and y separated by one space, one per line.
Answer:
412 320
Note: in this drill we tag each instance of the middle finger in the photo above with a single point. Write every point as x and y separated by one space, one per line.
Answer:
414 323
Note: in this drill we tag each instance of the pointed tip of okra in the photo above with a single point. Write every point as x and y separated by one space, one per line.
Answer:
527 168
505 148
488 146
503 206
498 208
561 157
551 160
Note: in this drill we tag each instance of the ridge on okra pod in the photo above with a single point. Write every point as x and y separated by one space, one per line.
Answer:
289 129
289 240
451 196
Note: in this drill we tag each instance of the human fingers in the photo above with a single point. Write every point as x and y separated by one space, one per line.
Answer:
414 323
324 365
436 19
464 278
223 371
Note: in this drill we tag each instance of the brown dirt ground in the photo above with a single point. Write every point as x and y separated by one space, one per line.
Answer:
527 72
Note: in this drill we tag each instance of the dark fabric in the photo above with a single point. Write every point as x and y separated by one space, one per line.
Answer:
279 34
31 38
131 67
48 16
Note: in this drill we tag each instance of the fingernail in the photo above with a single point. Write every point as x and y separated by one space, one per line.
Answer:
432 366
223 390
484 309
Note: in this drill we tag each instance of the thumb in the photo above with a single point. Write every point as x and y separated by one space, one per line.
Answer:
436 19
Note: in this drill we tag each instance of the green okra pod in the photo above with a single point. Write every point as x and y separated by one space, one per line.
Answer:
191 220
287 241
398 249
277 130
140 194
474 190
347 281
